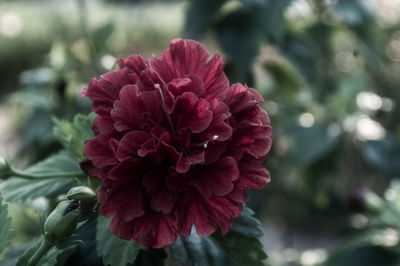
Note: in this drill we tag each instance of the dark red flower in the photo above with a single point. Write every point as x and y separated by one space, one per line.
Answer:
175 145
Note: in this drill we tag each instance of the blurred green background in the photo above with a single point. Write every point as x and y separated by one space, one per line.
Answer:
329 71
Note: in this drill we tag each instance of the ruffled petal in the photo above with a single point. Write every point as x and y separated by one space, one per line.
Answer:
195 212
219 128
184 162
99 152
155 230
128 201
161 197
106 210
103 126
162 201
209 213
104 92
128 171
136 109
252 173
191 83
102 96
214 151
187 57
131 143
134 63
191 113
88 167
240 97
252 140
215 179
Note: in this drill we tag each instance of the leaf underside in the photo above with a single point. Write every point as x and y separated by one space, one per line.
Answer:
114 250
20 189
239 247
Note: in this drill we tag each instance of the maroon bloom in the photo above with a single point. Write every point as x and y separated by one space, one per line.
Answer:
175 145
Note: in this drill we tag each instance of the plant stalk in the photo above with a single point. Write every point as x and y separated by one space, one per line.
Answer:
40 252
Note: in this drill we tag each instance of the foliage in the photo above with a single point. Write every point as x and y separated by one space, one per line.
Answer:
21 189
50 259
114 250
378 242
239 247
4 224
70 135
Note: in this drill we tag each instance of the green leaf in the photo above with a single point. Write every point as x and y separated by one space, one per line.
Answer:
309 144
4 224
269 15
114 250
101 35
247 225
273 19
303 53
72 135
20 189
240 36
239 247
50 259
287 80
36 134
199 16
384 155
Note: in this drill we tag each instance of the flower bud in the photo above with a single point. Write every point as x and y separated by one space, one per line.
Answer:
62 222
5 168
84 195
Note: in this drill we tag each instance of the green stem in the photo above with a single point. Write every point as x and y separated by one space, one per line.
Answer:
83 15
18 173
40 252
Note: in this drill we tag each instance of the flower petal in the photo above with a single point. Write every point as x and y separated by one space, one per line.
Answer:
121 228
161 197
252 173
215 179
103 126
134 63
99 152
253 140
162 201
128 171
104 92
240 97
131 143
195 212
184 162
191 112
187 57
219 129
136 109
208 213
155 230
128 201
191 83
